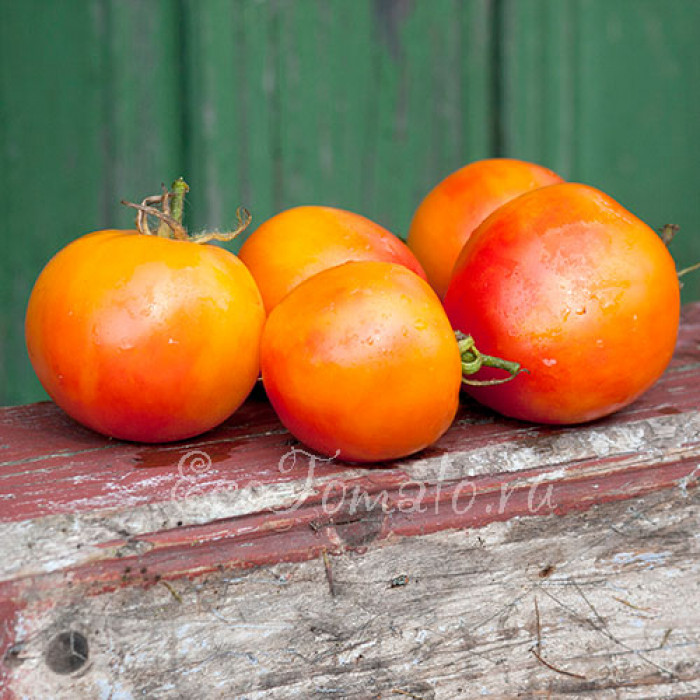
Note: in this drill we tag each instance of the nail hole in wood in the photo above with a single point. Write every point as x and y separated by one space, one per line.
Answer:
547 571
13 656
67 652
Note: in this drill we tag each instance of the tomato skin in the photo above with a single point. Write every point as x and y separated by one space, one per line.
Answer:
360 362
579 291
300 242
452 210
145 338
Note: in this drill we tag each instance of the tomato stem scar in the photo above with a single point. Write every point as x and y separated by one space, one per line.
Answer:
473 361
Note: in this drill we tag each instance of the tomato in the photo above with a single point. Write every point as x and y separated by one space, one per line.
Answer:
300 242
360 362
578 290
456 206
145 338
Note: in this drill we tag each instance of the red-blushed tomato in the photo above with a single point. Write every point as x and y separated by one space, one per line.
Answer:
300 242
576 289
145 338
456 206
360 362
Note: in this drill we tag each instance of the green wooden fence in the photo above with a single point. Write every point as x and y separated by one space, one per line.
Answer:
364 104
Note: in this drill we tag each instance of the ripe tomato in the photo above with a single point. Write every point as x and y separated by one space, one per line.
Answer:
579 291
145 338
360 362
456 206
300 242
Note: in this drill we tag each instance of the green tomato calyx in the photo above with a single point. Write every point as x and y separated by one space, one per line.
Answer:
473 361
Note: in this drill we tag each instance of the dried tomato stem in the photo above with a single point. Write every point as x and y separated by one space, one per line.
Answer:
686 270
244 218
473 361
170 216
177 230
668 231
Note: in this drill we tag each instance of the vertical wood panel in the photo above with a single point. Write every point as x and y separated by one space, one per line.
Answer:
540 68
215 51
364 104
51 155
357 103
608 93
640 113
144 108
434 104
90 114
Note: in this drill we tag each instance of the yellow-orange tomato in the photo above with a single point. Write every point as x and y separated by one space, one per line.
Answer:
360 362
456 206
578 290
145 338
300 242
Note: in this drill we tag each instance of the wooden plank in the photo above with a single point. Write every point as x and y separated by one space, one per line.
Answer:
428 103
452 614
91 114
607 93
539 65
219 71
42 440
50 156
625 113
595 522
144 102
356 104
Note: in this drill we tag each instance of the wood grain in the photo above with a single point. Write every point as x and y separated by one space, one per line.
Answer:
589 87
266 572
303 102
362 104
91 114
608 585
265 104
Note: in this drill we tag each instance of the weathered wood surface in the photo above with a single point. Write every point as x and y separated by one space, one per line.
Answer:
238 566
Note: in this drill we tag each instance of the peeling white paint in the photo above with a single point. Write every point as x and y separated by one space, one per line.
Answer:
112 691
651 559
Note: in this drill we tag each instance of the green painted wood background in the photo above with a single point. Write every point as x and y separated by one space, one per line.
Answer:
364 104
